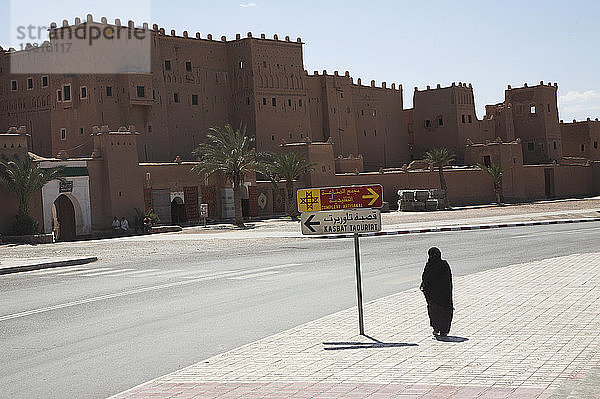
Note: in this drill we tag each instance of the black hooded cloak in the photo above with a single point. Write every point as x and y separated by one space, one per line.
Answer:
437 288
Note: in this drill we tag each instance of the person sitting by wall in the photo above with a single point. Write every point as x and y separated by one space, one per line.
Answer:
124 225
116 226
147 224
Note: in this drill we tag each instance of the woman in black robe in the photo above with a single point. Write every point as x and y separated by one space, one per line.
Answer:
437 288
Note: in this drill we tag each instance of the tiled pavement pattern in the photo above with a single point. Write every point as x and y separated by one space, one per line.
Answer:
522 331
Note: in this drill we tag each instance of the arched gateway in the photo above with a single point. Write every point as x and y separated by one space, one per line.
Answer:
64 223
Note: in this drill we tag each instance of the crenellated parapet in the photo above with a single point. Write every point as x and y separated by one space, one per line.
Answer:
462 85
104 129
358 84
527 86
14 141
161 31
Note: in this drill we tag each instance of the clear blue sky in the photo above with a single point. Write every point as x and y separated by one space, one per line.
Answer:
487 43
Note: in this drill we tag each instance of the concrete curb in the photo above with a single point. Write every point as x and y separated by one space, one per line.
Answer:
48 265
464 228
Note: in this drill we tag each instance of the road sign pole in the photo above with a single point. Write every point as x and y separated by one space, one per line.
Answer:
361 324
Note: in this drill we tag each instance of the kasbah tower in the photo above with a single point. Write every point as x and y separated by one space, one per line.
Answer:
198 82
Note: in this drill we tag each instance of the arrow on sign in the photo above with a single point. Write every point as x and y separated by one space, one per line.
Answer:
373 196
309 223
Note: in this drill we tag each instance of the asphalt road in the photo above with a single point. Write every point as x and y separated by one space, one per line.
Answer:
95 330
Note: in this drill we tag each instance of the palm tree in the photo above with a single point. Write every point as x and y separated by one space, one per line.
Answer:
289 166
495 171
229 152
439 158
23 178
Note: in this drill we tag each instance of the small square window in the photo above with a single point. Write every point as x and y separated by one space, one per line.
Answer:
63 134
29 83
13 85
176 97
44 81
141 91
194 99
83 92
108 91
67 93
167 65
188 66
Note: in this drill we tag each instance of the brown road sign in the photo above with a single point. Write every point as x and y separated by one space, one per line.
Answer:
335 198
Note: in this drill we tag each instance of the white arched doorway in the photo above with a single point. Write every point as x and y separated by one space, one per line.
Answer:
75 193
64 219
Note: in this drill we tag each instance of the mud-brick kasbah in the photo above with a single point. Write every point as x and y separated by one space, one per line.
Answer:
126 139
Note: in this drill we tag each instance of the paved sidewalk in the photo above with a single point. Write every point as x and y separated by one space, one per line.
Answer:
523 331
289 229
16 265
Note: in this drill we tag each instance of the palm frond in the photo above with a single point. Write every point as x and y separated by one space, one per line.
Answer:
495 171
288 165
23 178
439 157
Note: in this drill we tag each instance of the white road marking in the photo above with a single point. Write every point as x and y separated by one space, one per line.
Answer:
139 272
83 271
548 233
253 275
53 270
215 276
150 272
107 272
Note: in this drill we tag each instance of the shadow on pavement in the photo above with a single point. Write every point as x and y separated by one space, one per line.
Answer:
376 344
450 338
